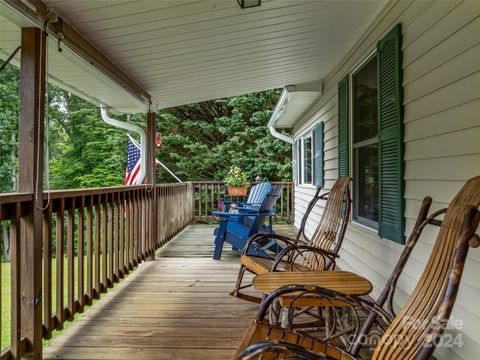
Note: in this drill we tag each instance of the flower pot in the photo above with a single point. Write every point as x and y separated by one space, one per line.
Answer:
237 191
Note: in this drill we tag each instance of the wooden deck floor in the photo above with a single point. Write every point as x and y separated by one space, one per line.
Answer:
174 308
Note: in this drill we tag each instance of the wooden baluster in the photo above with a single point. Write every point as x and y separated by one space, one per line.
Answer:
131 257
59 312
47 272
212 201
109 203
162 214
71 260
138 230
288 203
116 229
122 215
15 283
205 217
98 288
104 205
81 254
126 259
135 229
199 202
89 251
280 214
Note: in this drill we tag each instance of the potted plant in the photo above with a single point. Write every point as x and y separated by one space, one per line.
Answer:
237 182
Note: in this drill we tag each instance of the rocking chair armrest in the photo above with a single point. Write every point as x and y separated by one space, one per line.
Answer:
291 351
353 300
290 253
260 236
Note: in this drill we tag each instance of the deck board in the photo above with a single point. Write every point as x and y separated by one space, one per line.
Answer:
176 307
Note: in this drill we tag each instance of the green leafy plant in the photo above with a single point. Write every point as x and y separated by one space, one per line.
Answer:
236 178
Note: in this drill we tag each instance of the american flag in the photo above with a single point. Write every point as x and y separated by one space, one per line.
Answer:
133 162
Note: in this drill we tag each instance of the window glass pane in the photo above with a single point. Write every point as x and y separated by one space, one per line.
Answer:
366 189
307 160
365 102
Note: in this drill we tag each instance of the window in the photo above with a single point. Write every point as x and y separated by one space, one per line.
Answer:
371 134
304 159
307 159
365 144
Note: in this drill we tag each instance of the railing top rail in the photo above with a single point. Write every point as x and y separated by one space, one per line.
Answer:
9 198
252 182
59 194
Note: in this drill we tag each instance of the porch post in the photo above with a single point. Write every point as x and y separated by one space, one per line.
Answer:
30 179
151 179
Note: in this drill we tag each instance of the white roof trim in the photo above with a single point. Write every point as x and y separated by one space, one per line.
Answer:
293 103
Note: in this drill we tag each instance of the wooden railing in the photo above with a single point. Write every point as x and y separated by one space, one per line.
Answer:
91 239
208 196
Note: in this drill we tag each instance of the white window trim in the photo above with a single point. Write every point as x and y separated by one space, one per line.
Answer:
308 134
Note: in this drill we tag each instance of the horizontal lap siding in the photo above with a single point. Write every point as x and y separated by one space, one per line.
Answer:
441 75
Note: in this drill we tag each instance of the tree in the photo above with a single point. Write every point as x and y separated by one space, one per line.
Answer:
9 114
201 141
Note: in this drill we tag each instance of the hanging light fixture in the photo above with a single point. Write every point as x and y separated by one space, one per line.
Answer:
244 4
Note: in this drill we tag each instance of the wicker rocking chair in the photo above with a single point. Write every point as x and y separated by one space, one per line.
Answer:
416 330
301 253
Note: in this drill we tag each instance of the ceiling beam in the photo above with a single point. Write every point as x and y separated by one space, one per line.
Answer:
75 42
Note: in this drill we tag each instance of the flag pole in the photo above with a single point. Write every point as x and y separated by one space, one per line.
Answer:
158 161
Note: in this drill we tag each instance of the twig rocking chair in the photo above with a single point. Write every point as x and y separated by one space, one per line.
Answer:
416 330
301 253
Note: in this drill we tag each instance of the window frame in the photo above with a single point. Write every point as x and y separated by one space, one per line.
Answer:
301 159
370 224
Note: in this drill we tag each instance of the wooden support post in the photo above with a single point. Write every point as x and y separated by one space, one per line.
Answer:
151 179
30 179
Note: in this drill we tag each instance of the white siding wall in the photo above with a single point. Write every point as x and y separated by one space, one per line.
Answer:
441 77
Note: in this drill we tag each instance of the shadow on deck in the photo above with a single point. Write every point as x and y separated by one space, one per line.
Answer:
176 307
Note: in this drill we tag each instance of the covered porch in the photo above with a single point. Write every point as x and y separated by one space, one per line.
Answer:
175 307
174 303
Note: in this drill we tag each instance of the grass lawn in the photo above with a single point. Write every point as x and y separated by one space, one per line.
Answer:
6 298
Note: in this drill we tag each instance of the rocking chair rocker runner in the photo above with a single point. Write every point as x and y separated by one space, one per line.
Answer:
317 253
416 330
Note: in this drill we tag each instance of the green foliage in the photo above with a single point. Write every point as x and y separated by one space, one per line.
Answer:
202 141
236 178
9 112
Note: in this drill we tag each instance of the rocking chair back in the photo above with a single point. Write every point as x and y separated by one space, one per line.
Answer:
331 229
415 331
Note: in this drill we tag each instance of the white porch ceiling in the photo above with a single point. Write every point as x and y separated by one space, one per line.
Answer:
184 51
68 71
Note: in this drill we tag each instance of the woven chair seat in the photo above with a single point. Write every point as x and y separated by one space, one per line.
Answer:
261 265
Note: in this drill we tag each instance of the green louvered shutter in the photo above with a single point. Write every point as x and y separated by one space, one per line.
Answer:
297 161
343 127
318 174
390 136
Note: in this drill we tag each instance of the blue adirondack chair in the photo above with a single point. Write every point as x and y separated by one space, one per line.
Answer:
237 232
255 198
